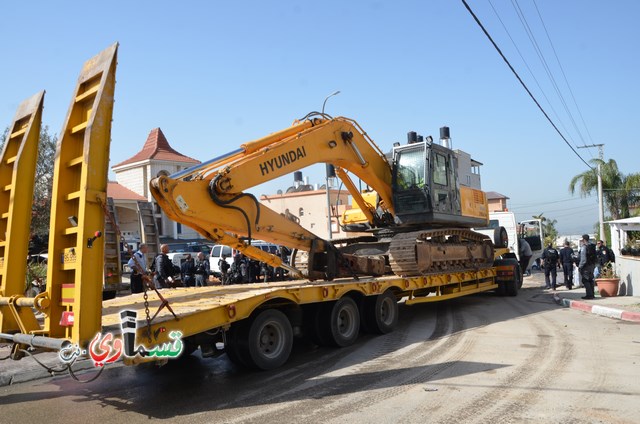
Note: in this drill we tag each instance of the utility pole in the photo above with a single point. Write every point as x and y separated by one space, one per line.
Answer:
600 197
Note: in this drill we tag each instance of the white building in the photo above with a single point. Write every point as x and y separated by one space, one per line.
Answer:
156 158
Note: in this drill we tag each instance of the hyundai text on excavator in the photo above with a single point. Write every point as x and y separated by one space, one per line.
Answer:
418 247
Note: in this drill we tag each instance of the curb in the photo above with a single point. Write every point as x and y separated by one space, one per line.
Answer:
598 310
26 369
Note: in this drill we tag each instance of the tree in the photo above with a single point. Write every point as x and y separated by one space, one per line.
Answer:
549 228
41 209
619 190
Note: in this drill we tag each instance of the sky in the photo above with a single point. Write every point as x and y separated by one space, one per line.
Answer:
214 74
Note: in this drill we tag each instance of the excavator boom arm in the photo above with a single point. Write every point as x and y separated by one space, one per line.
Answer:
210 197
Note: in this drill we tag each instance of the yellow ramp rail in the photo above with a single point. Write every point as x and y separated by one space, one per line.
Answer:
75 266
17 178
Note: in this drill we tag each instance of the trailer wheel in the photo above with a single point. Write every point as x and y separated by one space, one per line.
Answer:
512 286
237 332
340 323
268 342
380 313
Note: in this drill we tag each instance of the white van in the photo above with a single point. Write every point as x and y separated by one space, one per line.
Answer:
220 250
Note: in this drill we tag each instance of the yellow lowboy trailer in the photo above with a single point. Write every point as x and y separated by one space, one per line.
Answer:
255 323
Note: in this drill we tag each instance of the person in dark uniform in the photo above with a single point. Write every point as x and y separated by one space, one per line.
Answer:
188 271
605 255
588 259
525 253
566 259
164 271
550 256
202 270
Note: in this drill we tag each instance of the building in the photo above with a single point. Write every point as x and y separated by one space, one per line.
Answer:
497 202
307 205
156 158
468 170
126 204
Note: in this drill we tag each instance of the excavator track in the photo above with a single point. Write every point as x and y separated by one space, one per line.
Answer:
437 251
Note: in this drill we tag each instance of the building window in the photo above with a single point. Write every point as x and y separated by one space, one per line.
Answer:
179 227
301 212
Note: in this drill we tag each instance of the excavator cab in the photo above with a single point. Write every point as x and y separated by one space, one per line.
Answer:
425 185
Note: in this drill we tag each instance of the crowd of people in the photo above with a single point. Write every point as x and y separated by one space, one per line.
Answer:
246 270
578 269
162 273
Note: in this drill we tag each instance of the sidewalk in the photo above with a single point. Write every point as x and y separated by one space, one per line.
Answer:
625 308
27 369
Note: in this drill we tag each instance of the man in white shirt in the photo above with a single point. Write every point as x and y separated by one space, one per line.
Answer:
138 265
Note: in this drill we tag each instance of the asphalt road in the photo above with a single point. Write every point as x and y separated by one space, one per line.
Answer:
482 359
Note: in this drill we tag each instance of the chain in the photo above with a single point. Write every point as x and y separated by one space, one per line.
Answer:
146 311
143 272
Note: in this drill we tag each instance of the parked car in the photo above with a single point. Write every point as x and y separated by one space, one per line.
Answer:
220 250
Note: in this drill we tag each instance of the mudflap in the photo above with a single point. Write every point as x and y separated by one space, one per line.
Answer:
508 276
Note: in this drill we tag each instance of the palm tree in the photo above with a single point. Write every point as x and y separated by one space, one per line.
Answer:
619 190
549 229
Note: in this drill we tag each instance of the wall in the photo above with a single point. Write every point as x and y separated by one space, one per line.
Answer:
497 205
628 268
314 208
466 175
134 180
129 223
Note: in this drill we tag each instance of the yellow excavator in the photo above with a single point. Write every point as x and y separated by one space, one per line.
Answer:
420 224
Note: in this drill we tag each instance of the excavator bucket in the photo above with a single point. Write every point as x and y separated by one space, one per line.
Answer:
17 178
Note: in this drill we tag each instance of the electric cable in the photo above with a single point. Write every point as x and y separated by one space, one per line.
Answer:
563 73
545 65
530 71
522 83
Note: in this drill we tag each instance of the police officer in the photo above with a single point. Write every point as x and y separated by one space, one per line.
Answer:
566 259
550 256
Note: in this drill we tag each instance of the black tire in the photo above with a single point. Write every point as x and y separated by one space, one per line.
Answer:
519 277
238 331
379 314
109 294
269 340
340 323
512 287
509 287
500 237
189 346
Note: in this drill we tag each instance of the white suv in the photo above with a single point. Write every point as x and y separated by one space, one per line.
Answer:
220 250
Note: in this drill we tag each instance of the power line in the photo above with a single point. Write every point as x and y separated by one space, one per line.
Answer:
546 203
554 210
563 73
530 71
523 84
545 65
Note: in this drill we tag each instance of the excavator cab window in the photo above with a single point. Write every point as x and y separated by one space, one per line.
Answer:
410 165
440 169
410 181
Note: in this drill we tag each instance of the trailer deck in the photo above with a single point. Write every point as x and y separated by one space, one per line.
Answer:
200 309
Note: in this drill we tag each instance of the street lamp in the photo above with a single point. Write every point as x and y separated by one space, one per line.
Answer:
327 98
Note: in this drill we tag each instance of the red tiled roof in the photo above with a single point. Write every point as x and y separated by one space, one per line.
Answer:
120 192
157 147
491 195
